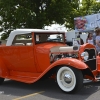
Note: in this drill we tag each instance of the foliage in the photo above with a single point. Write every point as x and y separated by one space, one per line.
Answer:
38 13
82 8
31 13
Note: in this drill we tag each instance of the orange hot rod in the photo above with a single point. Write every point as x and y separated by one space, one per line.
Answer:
31 54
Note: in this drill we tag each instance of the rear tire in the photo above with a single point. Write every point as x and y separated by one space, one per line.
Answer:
69 79
1 80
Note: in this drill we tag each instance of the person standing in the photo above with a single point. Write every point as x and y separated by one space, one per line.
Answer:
94 36
89 38
98 40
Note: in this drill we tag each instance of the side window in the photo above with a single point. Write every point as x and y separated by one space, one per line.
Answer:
43 37
23 40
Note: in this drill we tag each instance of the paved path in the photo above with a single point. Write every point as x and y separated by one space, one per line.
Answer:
46 90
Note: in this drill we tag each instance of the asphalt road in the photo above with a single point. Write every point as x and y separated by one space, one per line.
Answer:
46 90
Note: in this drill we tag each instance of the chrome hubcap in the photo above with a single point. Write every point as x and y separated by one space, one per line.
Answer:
67 78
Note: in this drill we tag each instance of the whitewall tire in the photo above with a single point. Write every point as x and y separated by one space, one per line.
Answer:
69 79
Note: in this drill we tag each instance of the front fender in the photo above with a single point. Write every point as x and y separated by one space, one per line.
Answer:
70 62
74 63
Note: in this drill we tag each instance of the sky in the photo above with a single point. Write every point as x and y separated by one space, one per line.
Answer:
56 27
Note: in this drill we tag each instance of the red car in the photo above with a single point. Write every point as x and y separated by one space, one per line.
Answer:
30 55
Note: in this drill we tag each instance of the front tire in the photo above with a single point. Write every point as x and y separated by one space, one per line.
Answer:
69 79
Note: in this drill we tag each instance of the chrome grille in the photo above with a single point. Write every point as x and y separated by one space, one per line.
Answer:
92 59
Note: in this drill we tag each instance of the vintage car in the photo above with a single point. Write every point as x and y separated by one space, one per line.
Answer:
30 55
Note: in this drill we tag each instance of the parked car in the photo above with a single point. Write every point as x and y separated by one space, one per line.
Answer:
28 56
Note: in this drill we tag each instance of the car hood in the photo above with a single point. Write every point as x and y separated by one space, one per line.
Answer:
55 47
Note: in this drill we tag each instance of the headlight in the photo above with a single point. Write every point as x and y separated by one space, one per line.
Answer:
85 55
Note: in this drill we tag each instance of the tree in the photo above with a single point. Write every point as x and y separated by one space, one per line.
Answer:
31 14
38 13
87 6
74 11
96 7
81 8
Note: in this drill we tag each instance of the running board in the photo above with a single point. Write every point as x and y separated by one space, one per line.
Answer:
23 79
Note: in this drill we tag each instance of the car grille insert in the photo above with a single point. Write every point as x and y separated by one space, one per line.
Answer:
91 62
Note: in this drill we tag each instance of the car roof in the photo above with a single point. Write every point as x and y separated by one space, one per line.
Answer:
25 31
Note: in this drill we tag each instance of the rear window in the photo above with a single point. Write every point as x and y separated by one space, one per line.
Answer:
23 39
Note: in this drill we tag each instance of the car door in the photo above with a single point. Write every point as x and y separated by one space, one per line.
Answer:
20 56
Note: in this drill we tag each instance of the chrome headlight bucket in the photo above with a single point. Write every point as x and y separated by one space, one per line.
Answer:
85 55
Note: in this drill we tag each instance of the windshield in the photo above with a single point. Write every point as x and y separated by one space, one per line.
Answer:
47 37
